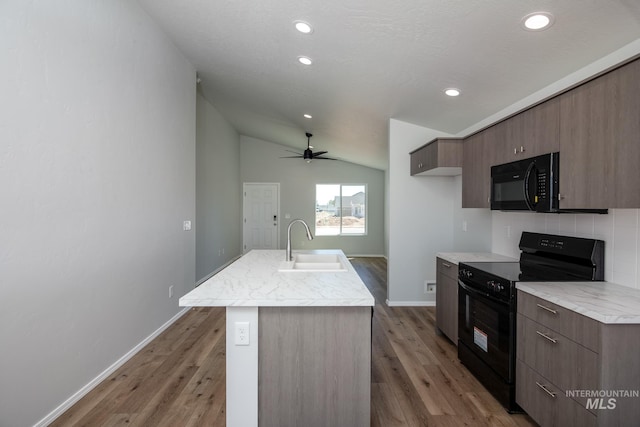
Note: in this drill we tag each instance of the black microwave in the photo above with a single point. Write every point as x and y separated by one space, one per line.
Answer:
526 185
529 185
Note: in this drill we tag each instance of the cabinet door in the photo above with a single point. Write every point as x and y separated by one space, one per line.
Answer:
540 129
600 141
530 133
476 173
447 299
417 161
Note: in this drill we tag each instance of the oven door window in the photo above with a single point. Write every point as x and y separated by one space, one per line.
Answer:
484 327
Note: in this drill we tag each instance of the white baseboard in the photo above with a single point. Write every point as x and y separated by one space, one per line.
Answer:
364 256
411 303
49 418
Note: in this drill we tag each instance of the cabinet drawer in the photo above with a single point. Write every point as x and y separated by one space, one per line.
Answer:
572 325
567 364
447 268
546 403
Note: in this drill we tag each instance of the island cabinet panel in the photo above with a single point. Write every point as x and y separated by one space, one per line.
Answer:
600 141
314 366
476 173
447 299
442 156
569 366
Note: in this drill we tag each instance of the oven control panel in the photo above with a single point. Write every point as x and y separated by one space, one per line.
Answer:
486 283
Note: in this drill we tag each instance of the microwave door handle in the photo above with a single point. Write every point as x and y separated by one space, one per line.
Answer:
527 175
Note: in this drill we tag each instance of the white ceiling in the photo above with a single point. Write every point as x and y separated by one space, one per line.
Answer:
381 59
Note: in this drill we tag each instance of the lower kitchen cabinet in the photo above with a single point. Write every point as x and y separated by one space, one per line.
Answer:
447 298
569 364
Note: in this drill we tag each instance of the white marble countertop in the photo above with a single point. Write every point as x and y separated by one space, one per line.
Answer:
458 257
602 301
254 281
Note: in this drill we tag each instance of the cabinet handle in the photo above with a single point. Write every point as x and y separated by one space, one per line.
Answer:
521 149
515 150
546 390
550 310
446 265
543 335
560 196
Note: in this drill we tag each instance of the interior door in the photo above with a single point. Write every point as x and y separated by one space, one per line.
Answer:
261 211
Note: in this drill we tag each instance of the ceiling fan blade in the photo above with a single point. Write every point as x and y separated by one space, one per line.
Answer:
291 157
294 152
324 158
319 153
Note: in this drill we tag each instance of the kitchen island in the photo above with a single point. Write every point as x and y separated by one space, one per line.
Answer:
298 342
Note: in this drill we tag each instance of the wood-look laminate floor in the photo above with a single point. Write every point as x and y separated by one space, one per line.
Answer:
179 378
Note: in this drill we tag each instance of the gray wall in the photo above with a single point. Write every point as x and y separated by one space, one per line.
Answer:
218 191
97 165
425 215
261 162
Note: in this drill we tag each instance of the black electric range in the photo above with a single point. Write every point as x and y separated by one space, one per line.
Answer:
487 302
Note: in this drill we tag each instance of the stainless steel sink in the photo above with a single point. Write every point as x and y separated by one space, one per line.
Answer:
314 262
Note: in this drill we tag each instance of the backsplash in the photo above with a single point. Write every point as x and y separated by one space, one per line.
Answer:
619 229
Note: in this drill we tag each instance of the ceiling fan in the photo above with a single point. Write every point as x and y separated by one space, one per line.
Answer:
308 155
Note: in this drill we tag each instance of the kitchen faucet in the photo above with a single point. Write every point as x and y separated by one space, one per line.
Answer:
309 236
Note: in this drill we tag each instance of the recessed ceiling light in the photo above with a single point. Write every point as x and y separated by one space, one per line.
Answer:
305 60
307 116
452 91
537 21
303 27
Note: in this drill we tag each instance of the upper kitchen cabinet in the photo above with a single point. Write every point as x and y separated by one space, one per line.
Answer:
476 174
600 141
442 156
530 133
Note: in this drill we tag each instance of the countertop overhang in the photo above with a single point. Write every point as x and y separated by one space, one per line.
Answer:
254 281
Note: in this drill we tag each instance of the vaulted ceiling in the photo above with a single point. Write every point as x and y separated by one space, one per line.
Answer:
379 59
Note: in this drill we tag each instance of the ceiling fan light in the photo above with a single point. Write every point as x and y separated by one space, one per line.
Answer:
307 116
452 91
305 60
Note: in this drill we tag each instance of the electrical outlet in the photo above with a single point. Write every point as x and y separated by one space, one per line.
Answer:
508 231
464 226
431 288
242 333
186 225
171 291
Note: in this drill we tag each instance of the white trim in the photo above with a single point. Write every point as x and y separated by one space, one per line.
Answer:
364 256
411 303
242 369
51 417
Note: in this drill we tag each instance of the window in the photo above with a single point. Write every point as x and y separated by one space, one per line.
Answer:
341 209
